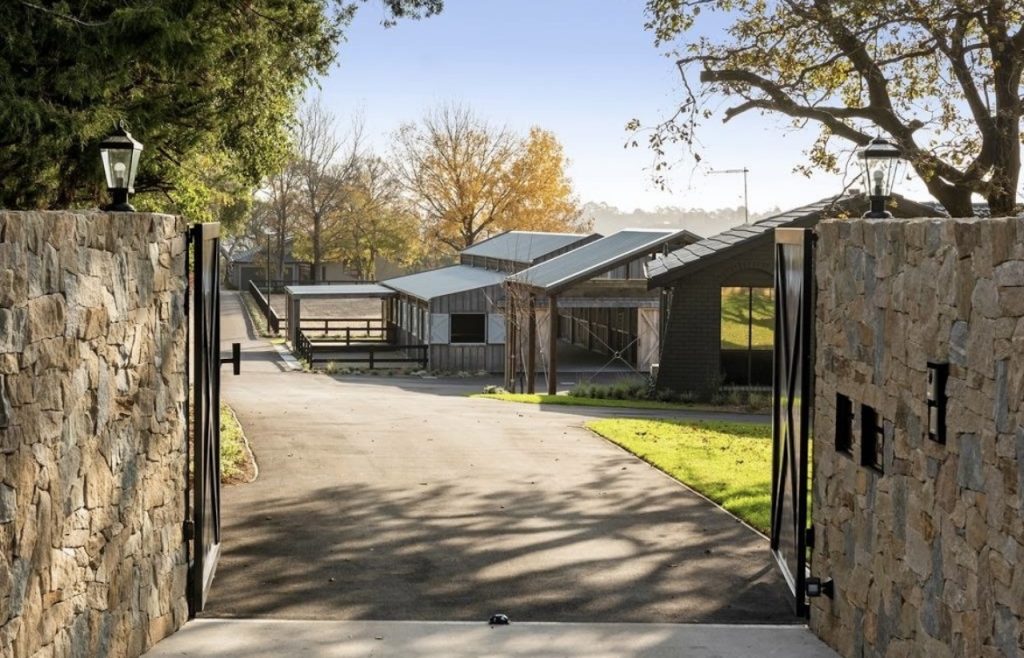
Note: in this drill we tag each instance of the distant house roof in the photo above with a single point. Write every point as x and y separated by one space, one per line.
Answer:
525 247
667 268
445 281
338 291
597 257
255 251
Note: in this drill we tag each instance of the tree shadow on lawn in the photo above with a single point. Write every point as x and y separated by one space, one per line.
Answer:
599 553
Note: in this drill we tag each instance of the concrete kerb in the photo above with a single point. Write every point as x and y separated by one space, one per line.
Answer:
259 638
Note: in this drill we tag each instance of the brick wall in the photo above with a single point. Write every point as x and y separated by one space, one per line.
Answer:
690 350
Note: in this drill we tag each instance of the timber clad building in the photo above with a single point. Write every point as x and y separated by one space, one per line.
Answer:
458 311
462 312
593 298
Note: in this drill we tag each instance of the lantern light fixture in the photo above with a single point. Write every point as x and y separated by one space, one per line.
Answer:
880 164
120 155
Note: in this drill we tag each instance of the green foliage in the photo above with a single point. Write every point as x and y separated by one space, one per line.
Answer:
208 86
633 388
730 463
232 444
941 78
574 401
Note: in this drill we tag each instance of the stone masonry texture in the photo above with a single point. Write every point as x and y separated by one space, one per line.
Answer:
927 554
92 357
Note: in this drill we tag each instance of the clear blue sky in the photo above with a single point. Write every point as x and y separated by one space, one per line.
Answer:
580 68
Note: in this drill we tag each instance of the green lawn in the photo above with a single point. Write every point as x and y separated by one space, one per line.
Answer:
232 451
730 463
570 400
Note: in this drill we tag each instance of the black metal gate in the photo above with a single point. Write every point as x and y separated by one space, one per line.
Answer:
791 420
202 524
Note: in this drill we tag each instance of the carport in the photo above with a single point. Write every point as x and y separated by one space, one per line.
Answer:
343 339
593 298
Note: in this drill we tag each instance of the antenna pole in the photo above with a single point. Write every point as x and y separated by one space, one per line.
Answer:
746 203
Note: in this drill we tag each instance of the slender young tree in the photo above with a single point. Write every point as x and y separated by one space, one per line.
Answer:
325 164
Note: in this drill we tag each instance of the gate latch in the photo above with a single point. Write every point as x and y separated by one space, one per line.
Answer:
188 529
235 359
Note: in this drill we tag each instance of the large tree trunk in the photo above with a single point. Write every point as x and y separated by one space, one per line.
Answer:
1006 156
955 199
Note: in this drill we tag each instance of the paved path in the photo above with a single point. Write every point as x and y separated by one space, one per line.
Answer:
382 500
225 638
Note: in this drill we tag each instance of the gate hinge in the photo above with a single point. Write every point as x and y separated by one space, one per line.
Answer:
809 537
188 529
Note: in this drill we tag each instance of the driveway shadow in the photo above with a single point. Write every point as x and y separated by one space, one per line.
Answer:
444 552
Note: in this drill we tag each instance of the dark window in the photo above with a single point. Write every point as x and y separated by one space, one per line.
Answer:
844 424
469 328
872 438
748 335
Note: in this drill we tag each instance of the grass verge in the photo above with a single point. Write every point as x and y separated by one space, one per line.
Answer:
236 460
572 400
730 463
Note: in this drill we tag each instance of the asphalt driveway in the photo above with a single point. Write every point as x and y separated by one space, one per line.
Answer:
380 499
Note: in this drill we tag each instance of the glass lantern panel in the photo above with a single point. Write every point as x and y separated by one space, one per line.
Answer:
134 169
118 167
879 176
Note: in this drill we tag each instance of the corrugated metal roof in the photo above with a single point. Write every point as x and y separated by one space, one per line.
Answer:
445 281
337 291
523 246
596 258
670 265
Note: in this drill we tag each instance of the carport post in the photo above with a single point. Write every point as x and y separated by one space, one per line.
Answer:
531 352
510 343
552 345
294 316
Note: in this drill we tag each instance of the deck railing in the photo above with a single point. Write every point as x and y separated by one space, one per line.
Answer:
363 329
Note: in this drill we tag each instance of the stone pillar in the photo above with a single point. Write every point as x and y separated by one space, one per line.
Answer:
92 432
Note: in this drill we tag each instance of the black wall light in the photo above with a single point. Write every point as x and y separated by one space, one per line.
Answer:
938 375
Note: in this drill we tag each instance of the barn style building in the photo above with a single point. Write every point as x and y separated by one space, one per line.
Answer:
593 298
458 311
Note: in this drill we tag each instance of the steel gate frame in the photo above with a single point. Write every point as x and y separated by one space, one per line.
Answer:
202 524
792 395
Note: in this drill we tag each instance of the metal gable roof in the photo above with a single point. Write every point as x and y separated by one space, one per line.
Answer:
445 281
596 258
523 246
338 291
666 268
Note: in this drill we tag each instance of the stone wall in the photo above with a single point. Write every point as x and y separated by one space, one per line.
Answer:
92 352
927 553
